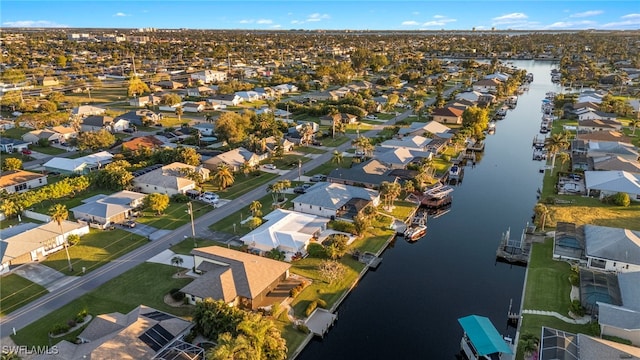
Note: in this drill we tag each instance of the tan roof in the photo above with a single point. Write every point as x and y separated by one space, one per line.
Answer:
14 177
251 274
63 130
142 142
605 136
36 238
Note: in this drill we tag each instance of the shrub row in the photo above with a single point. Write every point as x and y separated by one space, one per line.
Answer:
296 290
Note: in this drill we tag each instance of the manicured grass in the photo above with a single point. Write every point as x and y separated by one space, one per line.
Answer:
242 185
547 285
49 150
15 133
362 127
145 284
373 240
174 216
16 291
533 324
328 141
401 209
100 95
171 121
328 166
291 335
94 250
288 161
226 224
309 150
185 247
319 288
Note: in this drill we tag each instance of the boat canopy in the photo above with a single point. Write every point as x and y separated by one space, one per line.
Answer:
483 335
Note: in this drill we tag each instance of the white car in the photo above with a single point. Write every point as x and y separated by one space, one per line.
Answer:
269 166
371 117
210 198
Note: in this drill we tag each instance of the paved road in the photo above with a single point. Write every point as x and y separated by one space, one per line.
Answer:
84 284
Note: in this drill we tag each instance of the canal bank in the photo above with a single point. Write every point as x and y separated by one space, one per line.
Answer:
408 307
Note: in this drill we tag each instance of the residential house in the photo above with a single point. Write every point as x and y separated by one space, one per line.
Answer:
502 77
612 249
225 99
67 133
369 174
108 209
51 136
142 101
235 277
96 123
248 95
234 159
86 110
28 242
597 149
285 88
557 344
608 183
143 142
169 179
487 86
200 91
286 231
143 333
447 115
418 143
330 119
623 321
399 158
81 165
433 128
332 200
205 129
49 81
9 145
6 125
611 135
272 144
593 125
597 115
171 85
209 76
139 117
590 96
615 163
193 107
17 181
581 107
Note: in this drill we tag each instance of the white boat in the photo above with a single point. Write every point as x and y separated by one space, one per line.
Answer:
439 191
414 233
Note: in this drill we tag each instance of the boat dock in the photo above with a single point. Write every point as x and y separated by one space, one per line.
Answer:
370 259
515 251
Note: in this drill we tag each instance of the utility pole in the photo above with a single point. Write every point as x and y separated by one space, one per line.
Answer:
299 170
193 229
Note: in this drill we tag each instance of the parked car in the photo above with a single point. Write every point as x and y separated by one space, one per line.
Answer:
316 143
371 117
575 177
129 224
26 152
269 166
210 197
299 190
53 173
318 177
306 186
129 130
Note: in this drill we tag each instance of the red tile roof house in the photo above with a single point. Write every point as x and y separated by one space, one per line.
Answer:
236 277
448 115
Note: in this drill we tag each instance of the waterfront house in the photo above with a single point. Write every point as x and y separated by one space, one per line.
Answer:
597 115
235 277
332 200
108 209
605 135
234 159
487 85
558 344
596 149
27 242
399 158
447 115
169 179
612 249
416 143
286 231
607 183
369 174
142 333
568 242
623 320
17 181
615 163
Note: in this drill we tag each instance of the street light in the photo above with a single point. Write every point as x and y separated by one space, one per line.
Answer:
299 169
193 229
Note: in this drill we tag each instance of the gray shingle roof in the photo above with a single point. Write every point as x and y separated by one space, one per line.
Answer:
333 195
615 244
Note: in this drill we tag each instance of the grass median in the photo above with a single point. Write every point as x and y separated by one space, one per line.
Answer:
17 291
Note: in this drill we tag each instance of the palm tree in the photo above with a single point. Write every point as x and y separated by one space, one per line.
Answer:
563 157
59 213
245 168
634 123
179 112
177 261
277 188
337 157
541 212
255 208
306 133
231 348
223 177
554 144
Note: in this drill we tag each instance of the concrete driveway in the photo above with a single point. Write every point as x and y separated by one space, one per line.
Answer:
43 275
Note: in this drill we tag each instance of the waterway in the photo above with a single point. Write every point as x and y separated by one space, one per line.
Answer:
408 308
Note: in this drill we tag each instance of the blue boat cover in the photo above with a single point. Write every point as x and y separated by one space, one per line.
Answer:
483 335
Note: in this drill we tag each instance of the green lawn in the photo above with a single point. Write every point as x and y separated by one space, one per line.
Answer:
100 95
290 334
16 291
15 133
533 324
288 161
327 167
171 121
94 250
401 210
373 240
49 150
174 216
242 184
309 150
145 284
328 141
547 285
227 224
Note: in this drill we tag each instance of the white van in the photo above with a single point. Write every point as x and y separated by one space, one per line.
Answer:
210 198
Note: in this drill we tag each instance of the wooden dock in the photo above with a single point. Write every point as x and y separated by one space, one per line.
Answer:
514 251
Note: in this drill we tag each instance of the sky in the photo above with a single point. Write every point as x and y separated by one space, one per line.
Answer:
327 15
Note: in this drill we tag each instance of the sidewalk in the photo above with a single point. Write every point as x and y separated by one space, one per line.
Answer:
582 321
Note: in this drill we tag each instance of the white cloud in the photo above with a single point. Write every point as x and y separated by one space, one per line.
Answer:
628 21
510 18
571 24
586 13
121 14
33 23
415 13
276 26
317 17
439 16
410 23
630 16
297 22
440 20
289 13
246 21
264 21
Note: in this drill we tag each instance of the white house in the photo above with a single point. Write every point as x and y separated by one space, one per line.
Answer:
81 165
225 99
487 85
285 230
248 95
285 88
86 110
623 321
193 107
169 179
613 182
17 181
333 200
205 129
419 143
597 115
108 209
209 76
612 249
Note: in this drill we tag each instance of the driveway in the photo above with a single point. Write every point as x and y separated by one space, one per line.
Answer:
43 276
140 229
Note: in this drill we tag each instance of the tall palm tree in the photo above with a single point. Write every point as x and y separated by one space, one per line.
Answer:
59 213
634 124
255 208
337 157
179 112
277 188
223 176
554 144
177 261
541 212
230 348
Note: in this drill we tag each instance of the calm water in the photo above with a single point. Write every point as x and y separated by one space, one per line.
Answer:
408 308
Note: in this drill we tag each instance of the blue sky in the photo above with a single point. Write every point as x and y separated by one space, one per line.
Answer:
330 15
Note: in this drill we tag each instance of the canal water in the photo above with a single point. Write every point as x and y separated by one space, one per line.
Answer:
408 308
